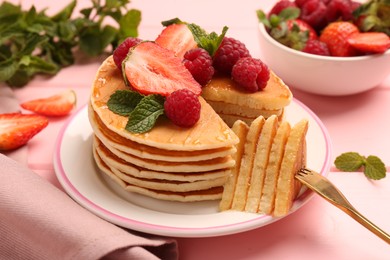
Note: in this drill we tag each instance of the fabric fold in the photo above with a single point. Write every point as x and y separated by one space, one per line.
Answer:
38 221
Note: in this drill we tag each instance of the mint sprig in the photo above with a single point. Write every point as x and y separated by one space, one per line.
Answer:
142 111
208 41
145 114
32 42
373 167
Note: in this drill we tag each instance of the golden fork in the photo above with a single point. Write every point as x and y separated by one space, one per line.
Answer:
327 190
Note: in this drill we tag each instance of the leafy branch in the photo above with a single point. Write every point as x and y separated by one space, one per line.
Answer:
32 42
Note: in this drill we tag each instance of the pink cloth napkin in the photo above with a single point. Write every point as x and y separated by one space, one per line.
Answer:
38 221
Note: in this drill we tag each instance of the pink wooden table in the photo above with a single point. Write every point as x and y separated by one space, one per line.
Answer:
355 123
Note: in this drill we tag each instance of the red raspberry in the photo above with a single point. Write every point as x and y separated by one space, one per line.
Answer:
182 107
199 62
279 6
121 51
339 9
314 13
228 54
316 47
250 73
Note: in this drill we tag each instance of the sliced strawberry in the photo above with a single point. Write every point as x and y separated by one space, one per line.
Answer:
336 36
373 42
177 38
57 105
17 129
152 69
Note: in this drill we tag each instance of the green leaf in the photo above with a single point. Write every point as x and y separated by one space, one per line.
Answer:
262 17
172 21
289 13
19 79
107 36
349 161
65 13
209 42
374 168
145 114
129 24
123 102
8 69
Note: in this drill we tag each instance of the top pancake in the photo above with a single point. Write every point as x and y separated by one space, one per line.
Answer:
209 132
274 96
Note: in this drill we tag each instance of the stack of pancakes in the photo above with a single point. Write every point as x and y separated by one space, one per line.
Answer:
233 103
168 162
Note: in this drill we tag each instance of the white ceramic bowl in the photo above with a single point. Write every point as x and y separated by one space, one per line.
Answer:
333 76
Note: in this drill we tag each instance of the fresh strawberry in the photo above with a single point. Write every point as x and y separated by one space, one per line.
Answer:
17 129
371 42
56 105
303 27
152 69
177 38
336 35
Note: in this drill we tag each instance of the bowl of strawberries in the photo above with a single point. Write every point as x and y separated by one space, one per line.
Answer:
327 47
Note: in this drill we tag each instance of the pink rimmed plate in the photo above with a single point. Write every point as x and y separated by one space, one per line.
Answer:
77 173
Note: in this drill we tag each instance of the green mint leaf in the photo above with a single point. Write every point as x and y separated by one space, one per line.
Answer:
145 114
129 24
65 13
8 69
374 168
209 42
349 161
123 102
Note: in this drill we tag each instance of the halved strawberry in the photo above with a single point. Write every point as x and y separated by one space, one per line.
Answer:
336 36
372 42
56 105
152 69
17 129
177 38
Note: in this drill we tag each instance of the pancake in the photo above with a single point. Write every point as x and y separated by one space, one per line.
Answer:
260 164
241 130
233 103
294 158
112 139
272 172
210 132
199 195
247 160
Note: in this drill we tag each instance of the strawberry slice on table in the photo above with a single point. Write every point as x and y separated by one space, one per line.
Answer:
152 69
177 38
373 42
57 105
17 129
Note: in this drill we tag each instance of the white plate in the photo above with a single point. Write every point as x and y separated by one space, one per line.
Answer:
77 173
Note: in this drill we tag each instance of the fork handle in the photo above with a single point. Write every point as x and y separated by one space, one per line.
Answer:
367 224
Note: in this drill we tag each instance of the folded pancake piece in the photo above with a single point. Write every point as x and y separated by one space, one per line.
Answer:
260 164
294 158
272 172
241 130
245 171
